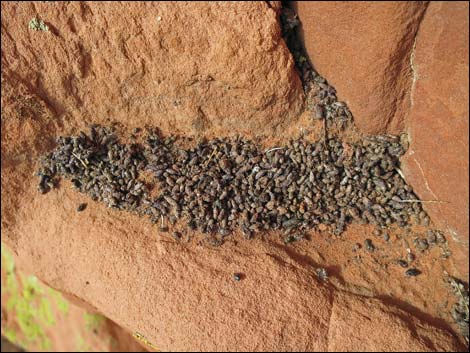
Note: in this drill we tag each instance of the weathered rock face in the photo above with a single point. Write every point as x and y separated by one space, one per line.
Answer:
397 77
187 67
38 318
231 73
364 50
182 296
437 163
200 70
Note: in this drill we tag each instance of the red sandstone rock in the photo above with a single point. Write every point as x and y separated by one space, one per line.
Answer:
187 67
178 295
37 318
364 49
437 162
181 296
397 79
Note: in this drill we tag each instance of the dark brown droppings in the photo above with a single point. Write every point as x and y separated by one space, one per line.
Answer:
176 235
412 272
228 183
81 207
402 263
368 244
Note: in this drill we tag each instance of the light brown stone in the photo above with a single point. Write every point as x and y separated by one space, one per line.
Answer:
119 63
182 296
186 67
364 49
438 123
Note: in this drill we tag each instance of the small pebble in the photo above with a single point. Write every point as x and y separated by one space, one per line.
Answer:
386 237
81 207
410 257
322 273
412 272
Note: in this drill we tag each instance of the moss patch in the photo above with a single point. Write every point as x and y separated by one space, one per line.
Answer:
31 306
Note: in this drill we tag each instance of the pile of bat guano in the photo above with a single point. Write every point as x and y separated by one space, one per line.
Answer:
230 182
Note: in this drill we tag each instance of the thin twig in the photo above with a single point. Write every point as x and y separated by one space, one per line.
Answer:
210 158
273 149
80 160
423 201
400 172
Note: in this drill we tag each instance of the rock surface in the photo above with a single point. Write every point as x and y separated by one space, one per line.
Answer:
230 73
182 296
38 318
188 67
438 122
364 51
392 64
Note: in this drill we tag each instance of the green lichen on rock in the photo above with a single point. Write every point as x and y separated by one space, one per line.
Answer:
29 304
81 345
93 321
38 25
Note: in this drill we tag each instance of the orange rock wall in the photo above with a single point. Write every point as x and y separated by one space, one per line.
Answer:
403 67
210 69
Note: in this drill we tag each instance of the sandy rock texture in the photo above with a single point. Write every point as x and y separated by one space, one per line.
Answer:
188 67
202 70
438 122
182 296
38 318
364 50
403 67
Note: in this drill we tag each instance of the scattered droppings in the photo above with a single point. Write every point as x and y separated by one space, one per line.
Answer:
176 235
440 238
386 237
402 263
431 237
460 310
368 244
412 272
294 237
421 244
81 207
410 257
237 277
